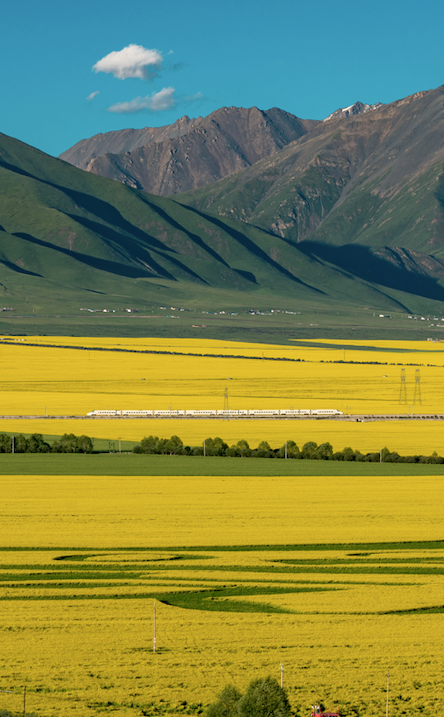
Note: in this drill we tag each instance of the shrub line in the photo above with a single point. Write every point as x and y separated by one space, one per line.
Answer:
310 451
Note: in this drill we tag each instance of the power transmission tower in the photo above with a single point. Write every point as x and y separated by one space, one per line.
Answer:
403 390
417 394
226 408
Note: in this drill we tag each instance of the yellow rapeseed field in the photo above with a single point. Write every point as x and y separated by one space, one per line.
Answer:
320 574
101 511
56 381
83 561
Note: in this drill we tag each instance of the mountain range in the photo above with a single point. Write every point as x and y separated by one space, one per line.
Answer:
343 212
374 179
190 153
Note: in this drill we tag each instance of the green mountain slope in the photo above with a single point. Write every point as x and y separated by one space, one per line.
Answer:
69 239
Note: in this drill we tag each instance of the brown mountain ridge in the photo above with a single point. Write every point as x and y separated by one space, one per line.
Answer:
190 153
375 179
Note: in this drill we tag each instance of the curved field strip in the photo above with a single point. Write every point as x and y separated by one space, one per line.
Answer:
335 636
337 578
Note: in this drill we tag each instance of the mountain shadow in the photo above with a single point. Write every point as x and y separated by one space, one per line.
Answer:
111 267
18 269
392 267
253 248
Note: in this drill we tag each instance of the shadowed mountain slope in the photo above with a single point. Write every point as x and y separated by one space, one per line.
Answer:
189 153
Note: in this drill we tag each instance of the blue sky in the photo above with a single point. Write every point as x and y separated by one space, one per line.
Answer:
308 58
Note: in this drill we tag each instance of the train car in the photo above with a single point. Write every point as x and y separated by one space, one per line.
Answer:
232 412
295 412
326 412
264 412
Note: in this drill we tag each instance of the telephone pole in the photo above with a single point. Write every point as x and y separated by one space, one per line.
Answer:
154 637
282 676
387 703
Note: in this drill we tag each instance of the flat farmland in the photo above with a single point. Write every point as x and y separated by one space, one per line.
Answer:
355 378
340 578
101 511
337 578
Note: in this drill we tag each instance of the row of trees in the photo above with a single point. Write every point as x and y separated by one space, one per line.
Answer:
309 451
68 443
263 698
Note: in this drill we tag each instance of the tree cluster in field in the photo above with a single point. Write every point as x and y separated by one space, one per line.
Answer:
309 451
68 443
264 697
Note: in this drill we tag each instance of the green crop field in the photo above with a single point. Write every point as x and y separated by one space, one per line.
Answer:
129 464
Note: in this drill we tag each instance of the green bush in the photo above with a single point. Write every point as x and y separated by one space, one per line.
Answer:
309 449
5 443
226 704
69 443
264 698
215 447
263 450
324 452
149 444
292 451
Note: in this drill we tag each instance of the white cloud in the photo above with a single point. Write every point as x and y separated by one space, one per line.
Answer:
132 61
157 102
194 98
92 95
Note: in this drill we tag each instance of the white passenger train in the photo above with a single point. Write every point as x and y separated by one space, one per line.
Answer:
268 412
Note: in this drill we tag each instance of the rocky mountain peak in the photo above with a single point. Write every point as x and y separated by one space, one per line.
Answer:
358 108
